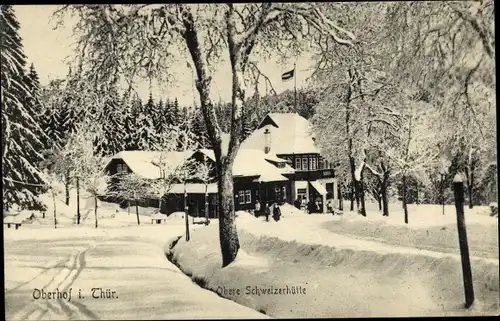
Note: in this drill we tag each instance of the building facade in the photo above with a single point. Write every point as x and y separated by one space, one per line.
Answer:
278 162
290 137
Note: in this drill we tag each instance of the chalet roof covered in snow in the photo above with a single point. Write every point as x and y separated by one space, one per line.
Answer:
254 162
143 163
248 162
290 133
268 156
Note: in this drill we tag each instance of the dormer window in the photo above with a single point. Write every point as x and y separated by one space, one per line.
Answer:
121 168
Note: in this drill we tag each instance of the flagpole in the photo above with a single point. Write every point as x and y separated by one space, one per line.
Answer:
295 83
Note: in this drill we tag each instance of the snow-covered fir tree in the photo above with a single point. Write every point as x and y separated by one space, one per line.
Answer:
33 104
199 128
160 123
128 125
21 143
112 121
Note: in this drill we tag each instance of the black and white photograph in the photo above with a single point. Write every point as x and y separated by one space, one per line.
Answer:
252 160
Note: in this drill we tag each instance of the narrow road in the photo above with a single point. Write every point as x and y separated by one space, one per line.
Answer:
106 277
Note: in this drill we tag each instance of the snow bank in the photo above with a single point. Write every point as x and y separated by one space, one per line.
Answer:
288 210
428 229
338 281
175 216
243 215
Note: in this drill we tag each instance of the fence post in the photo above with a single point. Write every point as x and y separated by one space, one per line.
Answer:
186 211
458 188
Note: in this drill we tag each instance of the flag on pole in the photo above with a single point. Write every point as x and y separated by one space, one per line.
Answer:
288 75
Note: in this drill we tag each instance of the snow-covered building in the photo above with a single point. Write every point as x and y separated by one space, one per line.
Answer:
279 161
289 136
258 177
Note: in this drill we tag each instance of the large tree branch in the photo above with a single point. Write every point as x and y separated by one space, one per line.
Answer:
473 21
467 96
203 82
260 73
374 172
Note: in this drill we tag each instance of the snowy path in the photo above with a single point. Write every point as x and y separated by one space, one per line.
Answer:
129 261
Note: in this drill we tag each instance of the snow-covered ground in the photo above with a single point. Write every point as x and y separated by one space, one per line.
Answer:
428 228
348 274
119 255
342 266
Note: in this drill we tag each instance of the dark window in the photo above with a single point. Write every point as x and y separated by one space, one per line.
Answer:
248 196
298 164
314 163
245 196
304 164
329 190
241 197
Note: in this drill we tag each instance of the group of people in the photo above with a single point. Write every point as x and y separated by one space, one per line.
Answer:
274 208
312 207
309 206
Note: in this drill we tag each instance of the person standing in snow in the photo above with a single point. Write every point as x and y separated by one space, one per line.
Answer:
297 203
257 207
310 207
267 212
276 212
329 207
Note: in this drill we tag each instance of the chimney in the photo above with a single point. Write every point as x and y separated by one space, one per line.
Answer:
267 136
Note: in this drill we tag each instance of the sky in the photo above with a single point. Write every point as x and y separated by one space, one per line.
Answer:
49 49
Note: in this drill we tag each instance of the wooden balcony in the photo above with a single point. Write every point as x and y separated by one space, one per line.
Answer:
313 174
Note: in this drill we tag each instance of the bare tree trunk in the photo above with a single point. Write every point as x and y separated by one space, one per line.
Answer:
405 207
339 192
95 210
469 173
385 203
228 235
379 200
137 210
78 215
224 159
361 192
352 196
469 187
66 186
417 200
355 188
55 212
